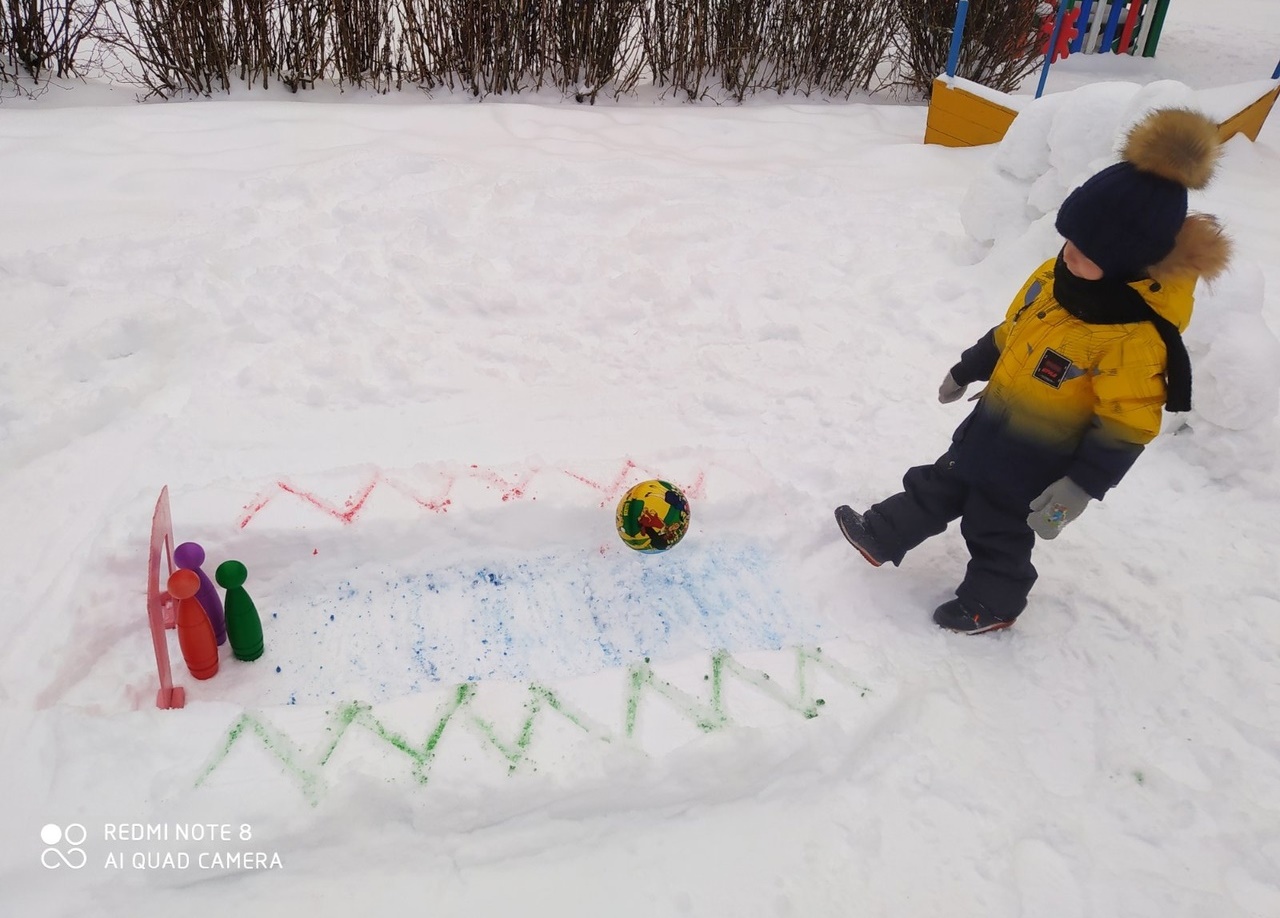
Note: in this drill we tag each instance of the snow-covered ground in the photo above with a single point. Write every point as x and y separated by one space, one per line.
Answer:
401 357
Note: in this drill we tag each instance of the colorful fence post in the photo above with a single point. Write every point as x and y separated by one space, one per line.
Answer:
1130 24
1092 30
1119 26
957 36
1053 45
1144 29
1113 23
1082 24
160 606
1157 23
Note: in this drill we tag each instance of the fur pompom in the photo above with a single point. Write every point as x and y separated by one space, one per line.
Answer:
1176 144
1202 250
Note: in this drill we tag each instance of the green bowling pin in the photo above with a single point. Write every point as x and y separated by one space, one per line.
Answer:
244 628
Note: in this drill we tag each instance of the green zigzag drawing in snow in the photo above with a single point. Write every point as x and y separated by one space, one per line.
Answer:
707 714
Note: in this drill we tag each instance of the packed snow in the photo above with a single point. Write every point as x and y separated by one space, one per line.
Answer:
402 356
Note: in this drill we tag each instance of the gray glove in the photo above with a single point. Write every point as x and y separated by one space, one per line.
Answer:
950 390
1057 505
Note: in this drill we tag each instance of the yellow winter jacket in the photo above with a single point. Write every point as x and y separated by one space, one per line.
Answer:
1057 376
1065 397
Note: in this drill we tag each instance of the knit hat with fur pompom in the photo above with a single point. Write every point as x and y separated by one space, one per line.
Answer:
1127 217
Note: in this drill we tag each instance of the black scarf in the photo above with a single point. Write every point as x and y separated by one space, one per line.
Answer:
1114 302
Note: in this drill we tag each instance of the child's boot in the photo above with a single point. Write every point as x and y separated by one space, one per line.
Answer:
969 618
854 526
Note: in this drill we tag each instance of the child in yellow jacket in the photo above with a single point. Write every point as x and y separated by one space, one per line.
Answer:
1089 354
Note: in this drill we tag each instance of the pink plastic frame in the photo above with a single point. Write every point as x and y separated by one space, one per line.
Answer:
161 609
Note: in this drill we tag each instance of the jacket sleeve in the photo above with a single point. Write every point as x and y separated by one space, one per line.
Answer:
1130 390
979 361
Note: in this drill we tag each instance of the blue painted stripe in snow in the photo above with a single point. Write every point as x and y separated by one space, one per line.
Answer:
535 618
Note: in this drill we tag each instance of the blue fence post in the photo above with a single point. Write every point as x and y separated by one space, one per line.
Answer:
1053 44
1082 22
1113 26
957 34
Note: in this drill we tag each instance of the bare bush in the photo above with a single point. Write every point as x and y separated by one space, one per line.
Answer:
486 47
201 46
362 43
740 54
419 46
740 47
41 38
8 60
171 46
597 43
830 46
251 31
698 49
678 41
298 37
1000 45
702 48
699 46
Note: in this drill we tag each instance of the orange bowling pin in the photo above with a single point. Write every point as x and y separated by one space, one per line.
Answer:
195 631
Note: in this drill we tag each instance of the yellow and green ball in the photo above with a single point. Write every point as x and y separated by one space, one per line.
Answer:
653 516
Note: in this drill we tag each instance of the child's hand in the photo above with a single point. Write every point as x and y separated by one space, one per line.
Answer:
950 390
1057 505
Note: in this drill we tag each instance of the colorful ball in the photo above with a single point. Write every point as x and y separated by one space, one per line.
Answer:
653 516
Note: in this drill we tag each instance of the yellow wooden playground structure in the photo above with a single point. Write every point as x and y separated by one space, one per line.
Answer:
969 116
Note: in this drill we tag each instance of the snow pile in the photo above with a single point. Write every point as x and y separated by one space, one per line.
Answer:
1236 396
1234 352
1055 143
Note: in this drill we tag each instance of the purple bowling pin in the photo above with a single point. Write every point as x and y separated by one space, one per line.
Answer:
189 556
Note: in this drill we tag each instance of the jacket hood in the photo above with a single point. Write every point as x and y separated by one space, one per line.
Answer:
1201 249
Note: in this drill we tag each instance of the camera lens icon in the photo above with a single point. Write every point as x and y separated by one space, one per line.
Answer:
54 835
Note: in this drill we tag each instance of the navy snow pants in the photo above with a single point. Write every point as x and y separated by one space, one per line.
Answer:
1000 573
